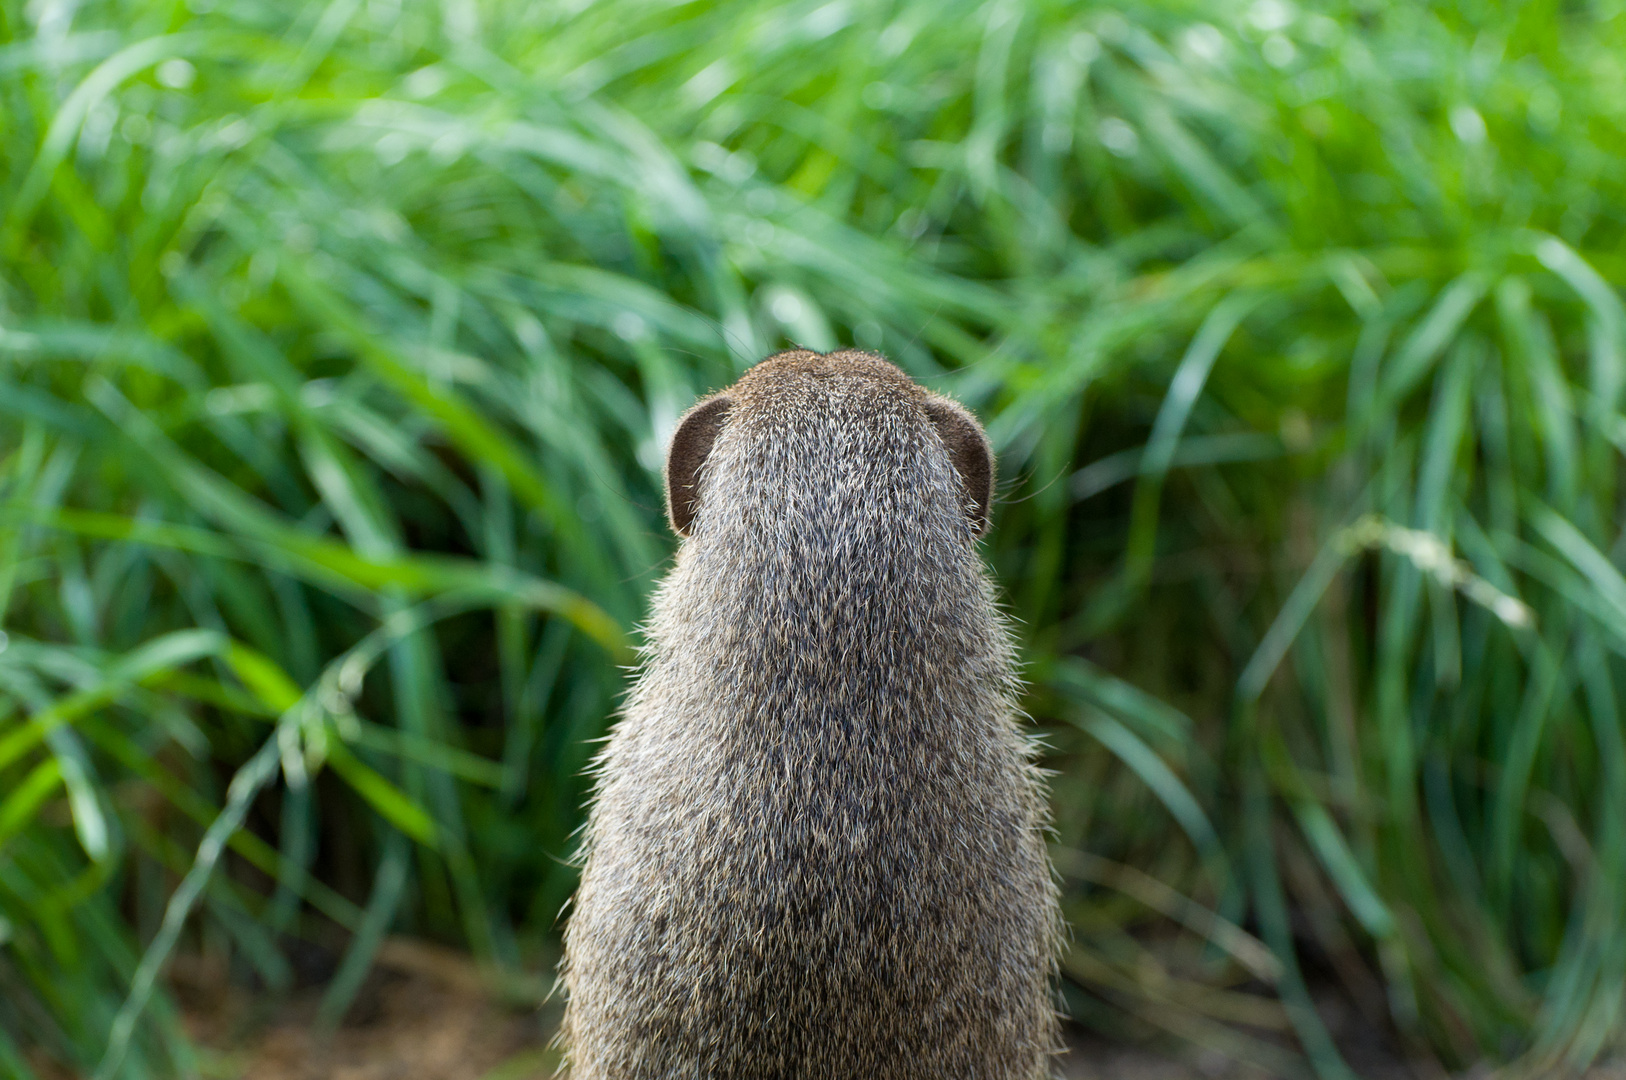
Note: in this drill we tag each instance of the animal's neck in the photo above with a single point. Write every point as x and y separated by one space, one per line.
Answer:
803 618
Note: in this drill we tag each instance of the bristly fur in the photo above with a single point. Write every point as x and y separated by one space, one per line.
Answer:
817 850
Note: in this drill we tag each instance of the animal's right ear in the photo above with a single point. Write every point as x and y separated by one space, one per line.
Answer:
968 449
691 446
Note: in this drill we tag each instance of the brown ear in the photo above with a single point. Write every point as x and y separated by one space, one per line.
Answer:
691 445
968 449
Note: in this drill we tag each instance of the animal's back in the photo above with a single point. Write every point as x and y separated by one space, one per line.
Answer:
817 845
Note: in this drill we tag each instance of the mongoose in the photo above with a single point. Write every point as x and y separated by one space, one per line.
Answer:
817 847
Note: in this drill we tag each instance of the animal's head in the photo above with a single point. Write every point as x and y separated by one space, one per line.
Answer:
786 392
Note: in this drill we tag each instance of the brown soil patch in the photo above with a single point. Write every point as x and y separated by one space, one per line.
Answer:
425 1013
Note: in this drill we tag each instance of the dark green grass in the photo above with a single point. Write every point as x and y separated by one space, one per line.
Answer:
338 345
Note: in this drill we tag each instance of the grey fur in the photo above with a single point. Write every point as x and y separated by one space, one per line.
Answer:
817 847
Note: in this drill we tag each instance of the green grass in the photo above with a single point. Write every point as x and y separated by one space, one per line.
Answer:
338 345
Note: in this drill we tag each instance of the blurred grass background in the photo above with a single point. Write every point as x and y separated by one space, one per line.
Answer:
338 346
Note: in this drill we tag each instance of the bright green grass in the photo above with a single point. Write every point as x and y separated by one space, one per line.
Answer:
338 344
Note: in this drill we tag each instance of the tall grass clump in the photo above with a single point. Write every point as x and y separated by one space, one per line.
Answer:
338 347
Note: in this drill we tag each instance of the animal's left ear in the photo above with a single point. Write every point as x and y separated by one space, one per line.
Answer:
691 445
968 449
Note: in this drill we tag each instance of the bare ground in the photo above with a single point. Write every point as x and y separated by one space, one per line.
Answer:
425 1014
